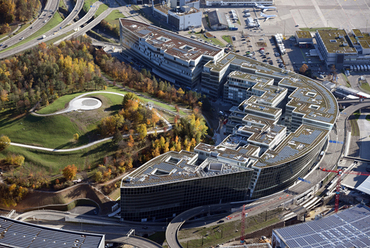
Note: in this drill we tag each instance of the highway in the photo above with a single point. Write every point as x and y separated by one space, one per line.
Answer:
49 35
45 16
353 101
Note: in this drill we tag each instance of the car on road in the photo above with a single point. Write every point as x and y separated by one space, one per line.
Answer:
237 51
1 45
22 38
31 27
44 21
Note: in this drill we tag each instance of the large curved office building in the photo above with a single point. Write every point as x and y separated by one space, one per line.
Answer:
277 128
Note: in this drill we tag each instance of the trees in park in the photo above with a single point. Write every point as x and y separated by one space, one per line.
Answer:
4 142
69 172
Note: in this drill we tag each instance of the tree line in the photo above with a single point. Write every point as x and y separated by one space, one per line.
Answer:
16 11
46 72
143 81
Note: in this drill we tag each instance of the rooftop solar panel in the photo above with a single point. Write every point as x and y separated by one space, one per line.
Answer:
349 228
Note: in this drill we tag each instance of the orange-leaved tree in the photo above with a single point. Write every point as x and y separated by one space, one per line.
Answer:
69 172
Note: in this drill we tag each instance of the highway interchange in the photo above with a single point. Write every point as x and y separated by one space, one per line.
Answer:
333 153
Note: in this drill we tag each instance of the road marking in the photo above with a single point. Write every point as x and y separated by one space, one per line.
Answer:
319 12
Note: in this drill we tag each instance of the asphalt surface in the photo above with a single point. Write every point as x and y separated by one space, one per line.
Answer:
51 34
45 16
331 158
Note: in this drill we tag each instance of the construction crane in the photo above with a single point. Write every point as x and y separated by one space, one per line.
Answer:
244 214
339 178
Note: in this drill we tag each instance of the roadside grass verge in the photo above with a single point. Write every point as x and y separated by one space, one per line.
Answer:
365 87
113 17
87 4
59 37
24 26
355 131
227 38
101 9
55 20
367 117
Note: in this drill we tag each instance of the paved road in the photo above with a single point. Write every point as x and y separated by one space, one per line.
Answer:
332 156
169 127
49 35
45 16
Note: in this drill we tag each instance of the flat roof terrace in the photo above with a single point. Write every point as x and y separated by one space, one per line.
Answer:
176 45
336 41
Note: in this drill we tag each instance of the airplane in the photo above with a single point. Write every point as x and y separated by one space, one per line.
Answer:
267 16
263 7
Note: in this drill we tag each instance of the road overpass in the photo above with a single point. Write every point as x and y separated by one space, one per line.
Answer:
49 35
48 12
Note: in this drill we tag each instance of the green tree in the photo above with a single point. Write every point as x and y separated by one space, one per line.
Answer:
98 176
4 142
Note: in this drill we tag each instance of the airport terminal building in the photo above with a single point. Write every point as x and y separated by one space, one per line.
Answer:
277 128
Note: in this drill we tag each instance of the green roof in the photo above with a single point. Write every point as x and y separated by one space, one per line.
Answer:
336 41
303 34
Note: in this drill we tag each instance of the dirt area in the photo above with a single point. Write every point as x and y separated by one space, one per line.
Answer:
37 198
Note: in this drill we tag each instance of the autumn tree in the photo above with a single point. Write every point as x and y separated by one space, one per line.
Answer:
69 172
142 132
4 142
303 69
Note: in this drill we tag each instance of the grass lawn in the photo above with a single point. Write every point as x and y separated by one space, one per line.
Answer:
54 162
87 4
215 41
365 87
102 8
58 104
57 131
367 117
113 17
55 20
211 236
115 194
227 38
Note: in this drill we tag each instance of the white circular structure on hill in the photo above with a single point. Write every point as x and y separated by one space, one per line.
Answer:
87 103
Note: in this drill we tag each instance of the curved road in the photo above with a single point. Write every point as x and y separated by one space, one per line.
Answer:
45 16
331 158
169 127
114 231
49 35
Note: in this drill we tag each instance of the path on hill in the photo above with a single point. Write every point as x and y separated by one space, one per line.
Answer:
169 127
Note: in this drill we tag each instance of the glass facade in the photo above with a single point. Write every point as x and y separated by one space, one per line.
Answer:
167 200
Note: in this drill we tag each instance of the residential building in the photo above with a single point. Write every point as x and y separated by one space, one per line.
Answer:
172 57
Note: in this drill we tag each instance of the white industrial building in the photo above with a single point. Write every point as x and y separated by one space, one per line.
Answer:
182 17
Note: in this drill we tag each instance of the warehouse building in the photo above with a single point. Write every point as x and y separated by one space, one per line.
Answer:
217 20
